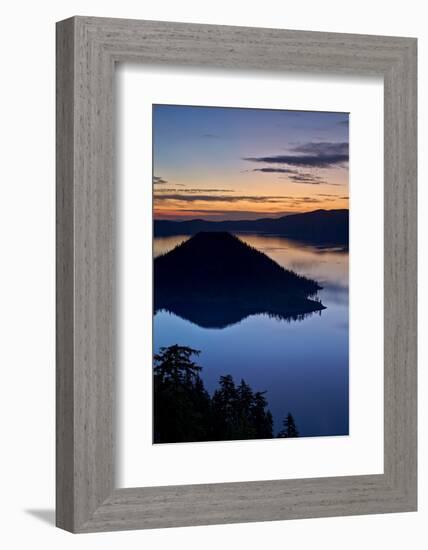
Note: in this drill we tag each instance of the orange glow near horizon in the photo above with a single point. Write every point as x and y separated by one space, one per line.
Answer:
219 163
241 199
201 210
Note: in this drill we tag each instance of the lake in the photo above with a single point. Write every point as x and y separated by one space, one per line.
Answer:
302 365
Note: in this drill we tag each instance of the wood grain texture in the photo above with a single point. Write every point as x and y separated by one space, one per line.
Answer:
87 49
64 277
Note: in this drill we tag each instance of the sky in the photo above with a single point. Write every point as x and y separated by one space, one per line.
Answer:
218 163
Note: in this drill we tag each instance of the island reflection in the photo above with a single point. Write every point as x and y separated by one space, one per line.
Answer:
218 281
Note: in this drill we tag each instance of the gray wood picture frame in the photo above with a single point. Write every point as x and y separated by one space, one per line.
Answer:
87 50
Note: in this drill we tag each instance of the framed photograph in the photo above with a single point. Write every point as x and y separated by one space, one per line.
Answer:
236 274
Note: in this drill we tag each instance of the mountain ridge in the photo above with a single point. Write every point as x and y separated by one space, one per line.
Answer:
318 226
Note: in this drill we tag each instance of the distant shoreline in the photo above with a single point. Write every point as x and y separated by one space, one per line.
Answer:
324 227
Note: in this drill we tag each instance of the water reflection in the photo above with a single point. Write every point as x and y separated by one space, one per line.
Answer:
302 366
162 245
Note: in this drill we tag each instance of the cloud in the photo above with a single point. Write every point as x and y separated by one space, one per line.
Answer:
160 192
288 200
307 199
159 180
313 161
269 170
321 154
305 177
293 175
206 190
220 198
323 148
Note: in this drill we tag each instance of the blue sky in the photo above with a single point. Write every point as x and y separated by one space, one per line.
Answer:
229 163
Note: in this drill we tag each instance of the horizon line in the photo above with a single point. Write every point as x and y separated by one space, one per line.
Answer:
262 217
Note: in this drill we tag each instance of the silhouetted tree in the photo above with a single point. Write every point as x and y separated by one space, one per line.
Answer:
262 419
245 404
184 411
289 427
224 409
174 363
181 403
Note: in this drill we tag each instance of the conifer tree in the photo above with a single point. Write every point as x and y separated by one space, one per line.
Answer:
289 427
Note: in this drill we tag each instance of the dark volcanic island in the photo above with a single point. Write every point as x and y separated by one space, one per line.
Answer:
215 280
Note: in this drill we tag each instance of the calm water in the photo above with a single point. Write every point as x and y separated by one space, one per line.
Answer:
302 365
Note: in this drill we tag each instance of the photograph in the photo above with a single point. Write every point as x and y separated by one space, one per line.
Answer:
250 274
211 309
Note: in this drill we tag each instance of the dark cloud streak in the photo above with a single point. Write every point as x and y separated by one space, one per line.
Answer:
172 190
221 198
323 148
260 199
157 180
304 177
322 154
272 170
